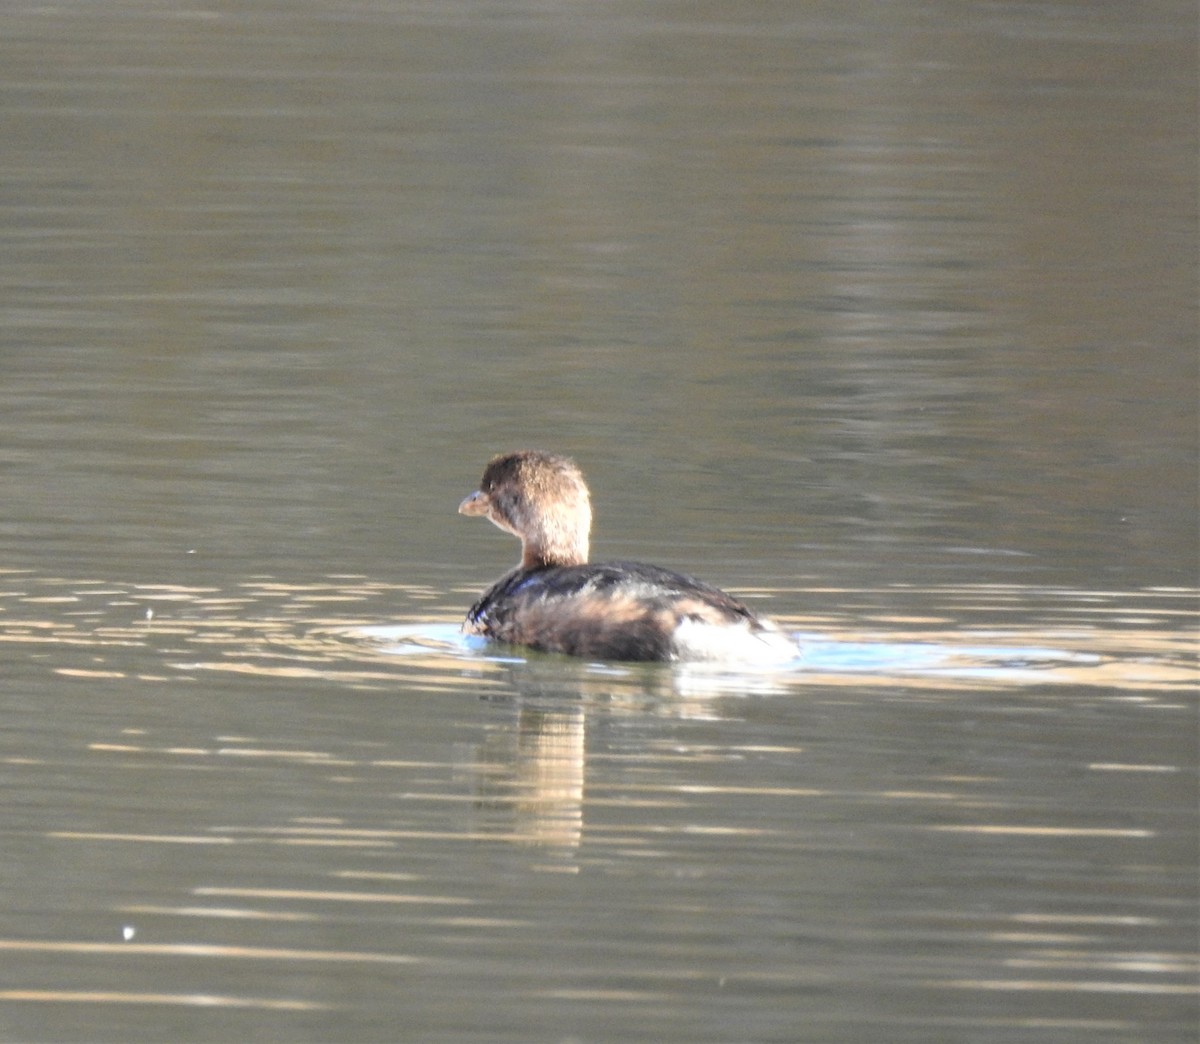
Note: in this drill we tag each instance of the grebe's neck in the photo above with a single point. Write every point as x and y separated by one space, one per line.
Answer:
557 538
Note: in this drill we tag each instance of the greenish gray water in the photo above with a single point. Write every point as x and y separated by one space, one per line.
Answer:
881 315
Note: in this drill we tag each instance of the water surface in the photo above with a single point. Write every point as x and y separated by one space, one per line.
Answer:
881 317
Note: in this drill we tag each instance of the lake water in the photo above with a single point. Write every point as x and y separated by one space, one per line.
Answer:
881 316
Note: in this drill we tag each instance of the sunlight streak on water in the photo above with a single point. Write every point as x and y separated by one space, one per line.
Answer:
275 632
189 1000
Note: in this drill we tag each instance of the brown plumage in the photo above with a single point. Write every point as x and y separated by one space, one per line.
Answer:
556 602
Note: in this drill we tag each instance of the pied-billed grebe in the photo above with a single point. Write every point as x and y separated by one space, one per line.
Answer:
556 601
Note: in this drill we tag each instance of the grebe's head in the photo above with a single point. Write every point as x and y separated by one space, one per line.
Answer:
540 498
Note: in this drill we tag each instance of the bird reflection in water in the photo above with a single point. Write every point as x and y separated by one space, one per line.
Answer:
529 779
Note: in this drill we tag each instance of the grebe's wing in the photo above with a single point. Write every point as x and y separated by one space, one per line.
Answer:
612 610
